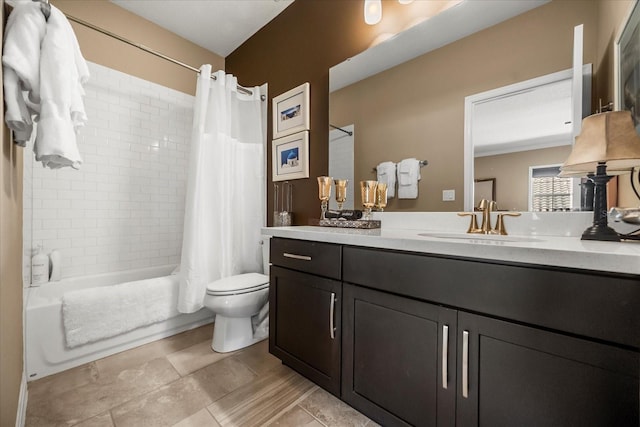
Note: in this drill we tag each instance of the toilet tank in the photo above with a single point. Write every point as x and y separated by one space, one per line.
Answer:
266 240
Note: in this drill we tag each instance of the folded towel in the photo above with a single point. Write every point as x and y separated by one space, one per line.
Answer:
93 314
62 73
408 177
24 33
387 174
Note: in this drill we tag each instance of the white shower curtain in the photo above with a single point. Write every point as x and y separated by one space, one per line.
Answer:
225 206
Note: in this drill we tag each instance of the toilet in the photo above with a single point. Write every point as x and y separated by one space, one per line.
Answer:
237 301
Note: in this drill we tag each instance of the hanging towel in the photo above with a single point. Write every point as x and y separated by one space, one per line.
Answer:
63 70
24 34
408 177
387 174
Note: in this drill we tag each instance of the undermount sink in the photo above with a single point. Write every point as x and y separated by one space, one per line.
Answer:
486 237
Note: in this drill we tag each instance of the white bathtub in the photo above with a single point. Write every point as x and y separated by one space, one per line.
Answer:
46 351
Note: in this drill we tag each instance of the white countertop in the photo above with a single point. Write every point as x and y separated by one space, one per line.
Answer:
549 250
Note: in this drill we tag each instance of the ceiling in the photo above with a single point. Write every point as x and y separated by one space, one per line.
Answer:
219 26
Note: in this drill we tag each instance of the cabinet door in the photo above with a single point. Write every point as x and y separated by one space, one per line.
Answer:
392 360
522 376
305 329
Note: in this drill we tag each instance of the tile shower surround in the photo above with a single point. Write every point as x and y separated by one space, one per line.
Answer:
124 208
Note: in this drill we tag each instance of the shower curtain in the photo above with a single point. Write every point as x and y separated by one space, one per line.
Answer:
225 206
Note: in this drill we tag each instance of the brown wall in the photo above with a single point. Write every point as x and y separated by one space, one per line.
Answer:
511 172
107 51
300 45
11 365
327 32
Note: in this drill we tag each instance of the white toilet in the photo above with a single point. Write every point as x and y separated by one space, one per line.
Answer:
235 300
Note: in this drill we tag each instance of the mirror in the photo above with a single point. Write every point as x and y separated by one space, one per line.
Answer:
517 136
416 109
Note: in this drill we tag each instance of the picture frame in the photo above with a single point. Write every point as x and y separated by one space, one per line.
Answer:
291 111
290 157
627 64
484 189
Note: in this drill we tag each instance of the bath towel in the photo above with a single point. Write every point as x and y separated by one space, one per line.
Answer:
24 33
93 314
63 70
408 177
386 172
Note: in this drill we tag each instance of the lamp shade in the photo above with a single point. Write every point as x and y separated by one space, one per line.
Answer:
609 138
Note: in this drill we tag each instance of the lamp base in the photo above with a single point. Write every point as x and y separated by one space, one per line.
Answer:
602 233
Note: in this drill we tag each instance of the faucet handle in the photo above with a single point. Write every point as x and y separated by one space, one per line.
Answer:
500 228
473 225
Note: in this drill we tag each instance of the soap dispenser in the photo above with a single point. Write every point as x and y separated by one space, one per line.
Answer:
39 268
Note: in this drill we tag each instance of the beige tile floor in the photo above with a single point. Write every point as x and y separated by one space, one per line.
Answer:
179 381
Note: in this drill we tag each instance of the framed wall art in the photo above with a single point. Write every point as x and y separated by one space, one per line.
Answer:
627 75
290 157
291 111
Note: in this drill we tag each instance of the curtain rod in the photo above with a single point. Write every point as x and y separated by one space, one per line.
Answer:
149 50
340 129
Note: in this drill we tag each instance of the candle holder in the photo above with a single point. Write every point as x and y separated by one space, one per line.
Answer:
341 192
368 193
381 196
324 193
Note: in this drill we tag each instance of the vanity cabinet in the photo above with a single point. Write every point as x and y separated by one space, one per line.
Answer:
432 340
514 375
398 358
305 296
499 371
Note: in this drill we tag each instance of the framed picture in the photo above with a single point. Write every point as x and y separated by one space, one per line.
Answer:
291 111
291 157
628 66
484 189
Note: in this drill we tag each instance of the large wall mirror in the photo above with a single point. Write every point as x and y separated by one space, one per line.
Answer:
415 109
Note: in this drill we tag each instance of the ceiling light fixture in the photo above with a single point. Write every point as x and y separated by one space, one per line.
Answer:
405 1
372 11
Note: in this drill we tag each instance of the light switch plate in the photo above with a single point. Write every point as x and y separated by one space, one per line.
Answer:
448 195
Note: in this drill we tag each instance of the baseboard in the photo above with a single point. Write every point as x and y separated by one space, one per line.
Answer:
21 416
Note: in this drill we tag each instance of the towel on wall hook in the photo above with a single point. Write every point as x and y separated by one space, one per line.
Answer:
43 76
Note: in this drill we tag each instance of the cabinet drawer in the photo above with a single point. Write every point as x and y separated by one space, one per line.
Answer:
591 304
322 259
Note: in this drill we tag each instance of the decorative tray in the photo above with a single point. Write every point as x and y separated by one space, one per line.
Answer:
345 223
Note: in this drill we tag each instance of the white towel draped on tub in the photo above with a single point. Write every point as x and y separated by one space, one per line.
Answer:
96 313
408 177
386 172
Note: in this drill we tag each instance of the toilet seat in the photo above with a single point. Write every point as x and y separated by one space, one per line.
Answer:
239 284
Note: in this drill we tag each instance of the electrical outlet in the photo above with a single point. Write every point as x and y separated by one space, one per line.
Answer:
448 195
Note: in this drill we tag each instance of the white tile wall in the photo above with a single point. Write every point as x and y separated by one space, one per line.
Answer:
124 208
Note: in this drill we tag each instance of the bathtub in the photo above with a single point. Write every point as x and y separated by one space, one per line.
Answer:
45 349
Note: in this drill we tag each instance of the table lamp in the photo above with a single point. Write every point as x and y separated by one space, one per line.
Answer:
607 141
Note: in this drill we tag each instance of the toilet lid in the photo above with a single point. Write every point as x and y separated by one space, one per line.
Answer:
240 283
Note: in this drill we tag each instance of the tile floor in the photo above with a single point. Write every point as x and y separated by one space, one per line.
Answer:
179 381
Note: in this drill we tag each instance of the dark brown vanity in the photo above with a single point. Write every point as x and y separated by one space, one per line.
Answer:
426 339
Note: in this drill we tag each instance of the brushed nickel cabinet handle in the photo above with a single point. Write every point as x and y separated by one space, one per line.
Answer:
294 256
332 329
445 355
465 364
